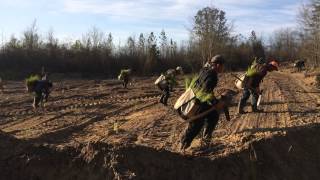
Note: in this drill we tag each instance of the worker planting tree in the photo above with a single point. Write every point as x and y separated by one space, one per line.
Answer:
124 76
40 88
166 82
171 123
251 83
203 88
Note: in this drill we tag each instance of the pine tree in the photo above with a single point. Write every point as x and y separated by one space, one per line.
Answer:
163 45
141 45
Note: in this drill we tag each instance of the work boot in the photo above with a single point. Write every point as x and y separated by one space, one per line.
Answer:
255 109
240 107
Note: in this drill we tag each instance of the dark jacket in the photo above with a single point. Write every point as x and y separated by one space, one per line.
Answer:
204 85
170 77
207 81
42 86
255 80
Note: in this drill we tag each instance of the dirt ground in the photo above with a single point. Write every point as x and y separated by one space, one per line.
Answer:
74 137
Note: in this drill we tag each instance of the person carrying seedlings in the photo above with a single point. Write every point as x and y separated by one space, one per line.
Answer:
203 88
166 82
253 78
40 88
124 76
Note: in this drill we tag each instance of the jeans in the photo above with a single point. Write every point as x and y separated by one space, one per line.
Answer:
125 82
245 96
40 97
165 88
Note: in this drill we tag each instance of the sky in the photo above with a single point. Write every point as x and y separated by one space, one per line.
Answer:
70 19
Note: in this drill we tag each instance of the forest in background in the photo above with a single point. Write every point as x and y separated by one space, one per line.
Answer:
96 53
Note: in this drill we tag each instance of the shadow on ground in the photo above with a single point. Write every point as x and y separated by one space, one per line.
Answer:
294 155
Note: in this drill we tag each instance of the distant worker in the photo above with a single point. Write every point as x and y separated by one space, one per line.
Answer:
203 88
299 65
251 82
124 76
40 88
166 82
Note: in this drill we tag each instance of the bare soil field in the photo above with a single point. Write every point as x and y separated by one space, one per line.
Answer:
73 137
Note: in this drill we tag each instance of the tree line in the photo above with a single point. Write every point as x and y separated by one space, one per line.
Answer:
211 33
302 42
95 53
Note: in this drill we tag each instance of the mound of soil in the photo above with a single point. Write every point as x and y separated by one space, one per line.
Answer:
293 154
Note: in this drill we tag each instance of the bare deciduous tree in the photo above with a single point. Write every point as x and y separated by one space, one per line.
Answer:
31 39
310 23
211 31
